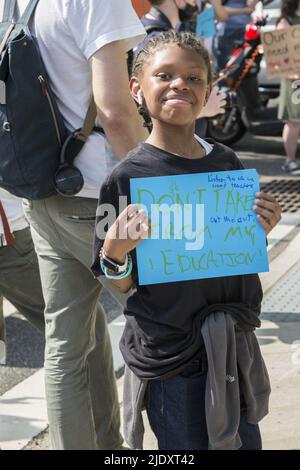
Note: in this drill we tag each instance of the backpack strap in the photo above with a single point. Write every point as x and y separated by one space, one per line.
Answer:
23 21
8 11
89 123
25 18
76 141
7 25
6 37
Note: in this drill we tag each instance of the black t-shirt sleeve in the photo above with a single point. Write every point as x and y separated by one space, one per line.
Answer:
238 163
225 156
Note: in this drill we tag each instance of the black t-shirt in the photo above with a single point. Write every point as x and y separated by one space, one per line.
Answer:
163 324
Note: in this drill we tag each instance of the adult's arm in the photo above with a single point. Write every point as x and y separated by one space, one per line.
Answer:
239 11
221 13
116 109
247 10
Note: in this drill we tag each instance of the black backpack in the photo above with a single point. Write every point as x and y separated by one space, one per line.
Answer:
35 146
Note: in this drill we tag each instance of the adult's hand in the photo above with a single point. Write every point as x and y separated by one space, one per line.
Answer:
215 104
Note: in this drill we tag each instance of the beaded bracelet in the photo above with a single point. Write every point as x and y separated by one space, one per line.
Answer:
114 276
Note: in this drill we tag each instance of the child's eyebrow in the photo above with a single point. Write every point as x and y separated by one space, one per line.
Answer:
166 64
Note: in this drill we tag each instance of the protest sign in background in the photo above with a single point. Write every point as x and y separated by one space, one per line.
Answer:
282 52
205 25
227 241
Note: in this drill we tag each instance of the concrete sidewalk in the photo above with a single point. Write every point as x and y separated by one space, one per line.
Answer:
279 337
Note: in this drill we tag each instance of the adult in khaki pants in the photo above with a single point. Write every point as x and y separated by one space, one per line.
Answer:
83 44
19 271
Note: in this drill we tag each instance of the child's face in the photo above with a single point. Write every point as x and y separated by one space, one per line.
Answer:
174 85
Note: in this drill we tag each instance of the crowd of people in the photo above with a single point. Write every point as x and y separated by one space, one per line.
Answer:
46 245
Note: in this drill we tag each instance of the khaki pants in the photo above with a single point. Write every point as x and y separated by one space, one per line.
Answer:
20 283
81 392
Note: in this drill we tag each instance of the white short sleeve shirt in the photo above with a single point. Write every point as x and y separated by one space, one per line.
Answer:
69 32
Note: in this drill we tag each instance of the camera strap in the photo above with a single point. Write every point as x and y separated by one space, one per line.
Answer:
76 141
89 123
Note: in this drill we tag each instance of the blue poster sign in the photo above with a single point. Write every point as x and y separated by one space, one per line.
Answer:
203 226
205 25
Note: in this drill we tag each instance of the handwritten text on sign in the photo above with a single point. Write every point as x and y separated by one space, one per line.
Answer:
282 51
215 209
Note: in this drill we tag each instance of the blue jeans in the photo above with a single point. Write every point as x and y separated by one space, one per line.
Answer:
176 412
224 44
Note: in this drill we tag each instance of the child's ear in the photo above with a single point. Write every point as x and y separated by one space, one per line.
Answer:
136 91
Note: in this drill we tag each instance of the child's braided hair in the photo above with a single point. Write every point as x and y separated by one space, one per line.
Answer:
153 44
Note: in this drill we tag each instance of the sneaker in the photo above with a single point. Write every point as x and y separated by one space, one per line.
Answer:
290 166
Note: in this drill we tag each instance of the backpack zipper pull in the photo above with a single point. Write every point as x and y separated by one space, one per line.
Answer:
46 94
43 85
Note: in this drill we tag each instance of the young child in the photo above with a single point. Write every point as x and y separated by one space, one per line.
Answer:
168 368
289 110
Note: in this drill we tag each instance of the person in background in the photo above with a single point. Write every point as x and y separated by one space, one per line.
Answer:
20 281
176 13
83 44
289 109
231 29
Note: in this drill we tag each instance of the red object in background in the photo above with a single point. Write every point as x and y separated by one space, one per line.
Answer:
141 6
252 32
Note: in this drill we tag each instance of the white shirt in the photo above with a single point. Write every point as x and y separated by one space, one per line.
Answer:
13 209
207 147
69 33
